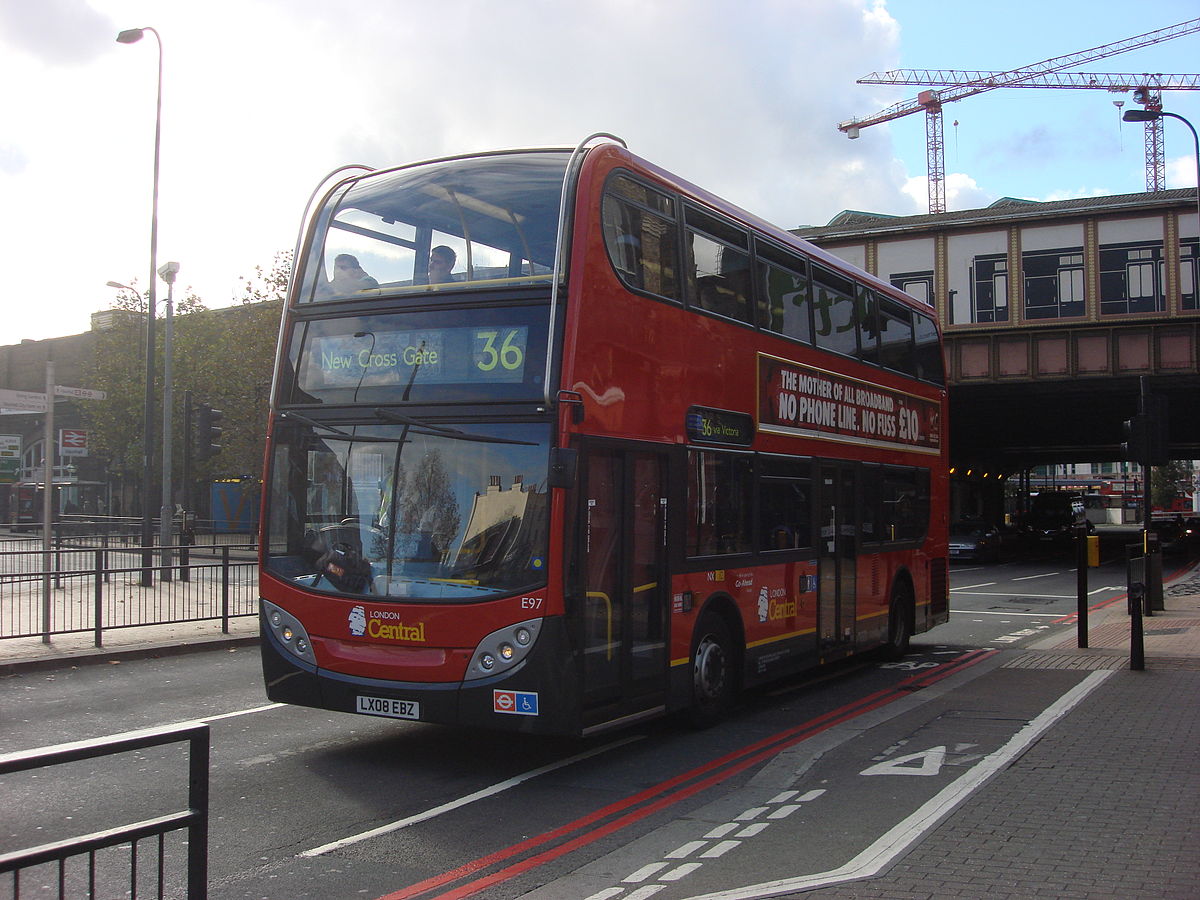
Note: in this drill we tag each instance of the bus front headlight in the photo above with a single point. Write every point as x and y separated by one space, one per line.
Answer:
503 650
289 631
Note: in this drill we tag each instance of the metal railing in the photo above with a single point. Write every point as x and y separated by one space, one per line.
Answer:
84 584
82 881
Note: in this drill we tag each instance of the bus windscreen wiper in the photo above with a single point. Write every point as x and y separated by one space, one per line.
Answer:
444 431
313 423
345 435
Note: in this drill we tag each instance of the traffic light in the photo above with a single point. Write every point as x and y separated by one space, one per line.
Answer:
1146 434
208 431
1157 431
1136 441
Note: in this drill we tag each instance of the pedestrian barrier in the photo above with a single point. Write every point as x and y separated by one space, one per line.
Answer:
76 588
50 862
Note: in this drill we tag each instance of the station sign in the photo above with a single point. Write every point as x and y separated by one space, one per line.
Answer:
72 442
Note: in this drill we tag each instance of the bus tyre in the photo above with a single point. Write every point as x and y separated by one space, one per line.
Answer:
714 673
900 614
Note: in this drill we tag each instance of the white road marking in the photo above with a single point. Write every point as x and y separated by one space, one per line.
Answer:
486 792
931 764
1008 594
904 834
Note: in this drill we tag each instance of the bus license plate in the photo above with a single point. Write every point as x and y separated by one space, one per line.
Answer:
388 706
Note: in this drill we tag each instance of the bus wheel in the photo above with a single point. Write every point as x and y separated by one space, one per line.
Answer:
714 676
900 614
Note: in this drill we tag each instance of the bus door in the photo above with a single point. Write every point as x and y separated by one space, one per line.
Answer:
623 580
836 555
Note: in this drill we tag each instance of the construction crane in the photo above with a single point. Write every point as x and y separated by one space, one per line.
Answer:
1147 90
931 102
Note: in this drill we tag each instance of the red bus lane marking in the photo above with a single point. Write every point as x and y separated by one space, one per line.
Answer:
673 790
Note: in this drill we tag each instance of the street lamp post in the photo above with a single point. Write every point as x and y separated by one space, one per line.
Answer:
1149 115
131 36
168 271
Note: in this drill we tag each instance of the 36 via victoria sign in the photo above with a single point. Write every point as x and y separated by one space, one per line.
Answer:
801 400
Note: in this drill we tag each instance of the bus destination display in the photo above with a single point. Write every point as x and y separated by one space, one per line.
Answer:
719 426
475 355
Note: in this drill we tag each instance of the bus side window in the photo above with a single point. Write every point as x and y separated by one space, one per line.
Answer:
785 293
641 237
929 351
719 503
718 266
835 312
895 336
785 514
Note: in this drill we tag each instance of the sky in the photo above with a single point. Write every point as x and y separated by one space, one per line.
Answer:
262 98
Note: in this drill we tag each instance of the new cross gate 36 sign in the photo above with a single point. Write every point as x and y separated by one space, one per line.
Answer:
803 400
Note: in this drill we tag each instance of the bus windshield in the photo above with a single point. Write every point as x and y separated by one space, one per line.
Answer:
450 225
409 510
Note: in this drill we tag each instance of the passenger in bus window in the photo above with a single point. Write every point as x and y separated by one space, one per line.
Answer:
348 276
441 263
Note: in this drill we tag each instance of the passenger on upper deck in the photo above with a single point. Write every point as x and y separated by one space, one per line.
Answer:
348 276
441 262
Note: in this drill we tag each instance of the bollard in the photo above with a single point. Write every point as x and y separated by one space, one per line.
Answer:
1081 585
1137 649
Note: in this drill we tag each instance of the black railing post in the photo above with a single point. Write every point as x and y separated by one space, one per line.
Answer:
98 579
197 864
1137 649
56 531
225 589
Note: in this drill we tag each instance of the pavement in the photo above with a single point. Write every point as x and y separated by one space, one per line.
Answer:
1104 803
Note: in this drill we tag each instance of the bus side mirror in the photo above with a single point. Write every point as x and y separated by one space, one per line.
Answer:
564 462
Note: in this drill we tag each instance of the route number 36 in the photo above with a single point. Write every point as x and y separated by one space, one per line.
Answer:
491 350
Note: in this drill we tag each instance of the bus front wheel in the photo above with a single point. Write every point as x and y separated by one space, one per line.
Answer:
714 673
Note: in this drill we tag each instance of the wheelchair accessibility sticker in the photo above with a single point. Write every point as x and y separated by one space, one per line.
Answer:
515 703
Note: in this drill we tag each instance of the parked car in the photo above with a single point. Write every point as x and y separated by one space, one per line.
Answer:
1176 536
1053 516
981 540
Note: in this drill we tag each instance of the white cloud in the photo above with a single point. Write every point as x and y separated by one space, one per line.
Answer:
1181 171
261 98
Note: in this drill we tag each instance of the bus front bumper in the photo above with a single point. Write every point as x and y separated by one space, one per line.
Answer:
539 695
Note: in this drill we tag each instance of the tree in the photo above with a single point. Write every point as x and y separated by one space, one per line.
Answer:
1165 483
223 356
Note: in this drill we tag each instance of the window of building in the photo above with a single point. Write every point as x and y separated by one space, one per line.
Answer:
1187 275
989 287
1131 279
1048 273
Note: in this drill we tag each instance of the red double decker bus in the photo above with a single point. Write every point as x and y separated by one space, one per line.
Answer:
560 441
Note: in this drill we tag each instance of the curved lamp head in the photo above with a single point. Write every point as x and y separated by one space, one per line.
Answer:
130 36
1141 115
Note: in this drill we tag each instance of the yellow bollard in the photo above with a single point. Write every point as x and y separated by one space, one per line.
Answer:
1093 550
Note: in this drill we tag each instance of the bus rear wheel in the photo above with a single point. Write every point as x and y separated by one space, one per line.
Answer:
900 622
714 671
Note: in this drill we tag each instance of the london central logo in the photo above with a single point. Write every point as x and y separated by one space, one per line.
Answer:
358 621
